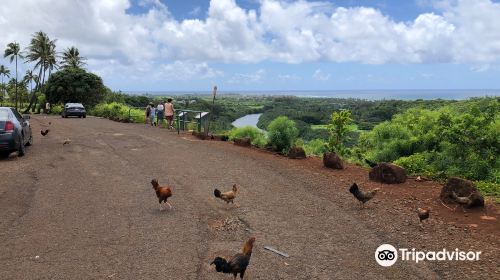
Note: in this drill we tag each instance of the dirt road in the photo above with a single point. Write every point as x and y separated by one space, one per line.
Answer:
87 211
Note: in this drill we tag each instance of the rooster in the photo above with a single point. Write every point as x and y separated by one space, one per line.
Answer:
44 132
363 197
163 193
66 141
238 263
423 214
227 196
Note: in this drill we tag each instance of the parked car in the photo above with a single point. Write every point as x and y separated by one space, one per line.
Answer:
15 132
74 109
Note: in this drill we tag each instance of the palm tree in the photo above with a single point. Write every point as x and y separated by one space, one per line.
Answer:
13 51
42 51
4 72
72 59
29 78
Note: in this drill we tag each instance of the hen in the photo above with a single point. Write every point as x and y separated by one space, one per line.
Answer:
227 196
423 214
163 193
44 132
363 197
238 263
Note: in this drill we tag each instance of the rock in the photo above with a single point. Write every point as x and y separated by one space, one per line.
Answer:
297 153
244 142
388 173
332 160
463 188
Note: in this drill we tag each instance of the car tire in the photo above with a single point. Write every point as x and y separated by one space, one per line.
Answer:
4 154
22 149
30 141
84 116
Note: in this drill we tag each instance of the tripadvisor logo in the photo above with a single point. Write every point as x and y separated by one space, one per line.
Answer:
387 255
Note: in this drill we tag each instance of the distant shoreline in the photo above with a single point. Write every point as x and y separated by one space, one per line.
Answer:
458 94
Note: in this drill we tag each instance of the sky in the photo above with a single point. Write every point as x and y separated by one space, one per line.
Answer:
252 45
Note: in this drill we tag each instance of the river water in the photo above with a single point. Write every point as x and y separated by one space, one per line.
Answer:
250 120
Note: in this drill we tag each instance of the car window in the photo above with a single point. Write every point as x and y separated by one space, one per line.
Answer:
18 116
4 114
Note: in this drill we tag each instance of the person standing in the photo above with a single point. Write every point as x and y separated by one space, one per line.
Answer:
148 113
152 115
169 112
47 108
160 113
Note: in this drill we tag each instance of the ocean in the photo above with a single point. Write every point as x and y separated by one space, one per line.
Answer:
427 94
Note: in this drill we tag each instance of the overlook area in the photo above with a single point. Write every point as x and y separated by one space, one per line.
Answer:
87 211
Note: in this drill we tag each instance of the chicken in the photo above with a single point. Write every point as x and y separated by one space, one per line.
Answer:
66 141
363 197
238 263
370 163
163 193
464 201
227 196
44 132
423 214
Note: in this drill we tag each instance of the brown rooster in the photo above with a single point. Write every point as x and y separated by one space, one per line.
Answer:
423 214
238 263
44 132
227 196
163 193
363 197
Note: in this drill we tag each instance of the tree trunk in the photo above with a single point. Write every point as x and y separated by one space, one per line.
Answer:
33 95
16 83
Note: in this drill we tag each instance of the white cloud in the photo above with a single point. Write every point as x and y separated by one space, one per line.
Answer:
247 78
462 31
320 76
182 71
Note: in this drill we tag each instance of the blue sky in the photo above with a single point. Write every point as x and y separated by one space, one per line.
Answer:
251 45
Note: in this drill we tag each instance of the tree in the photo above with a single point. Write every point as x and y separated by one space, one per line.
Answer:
13 51
74 85
41 51
338 129
29 78
71 58
4 72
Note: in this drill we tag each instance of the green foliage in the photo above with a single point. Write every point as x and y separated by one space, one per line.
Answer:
315 147
461 139
489 188
56 109
117 111
338 129
282 134
256 136
75 85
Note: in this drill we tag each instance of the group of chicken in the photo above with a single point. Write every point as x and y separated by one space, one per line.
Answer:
45 132
239 262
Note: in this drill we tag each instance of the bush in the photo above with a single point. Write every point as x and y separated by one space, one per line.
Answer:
56 109
256 136
315 147
416 164
282 134
117 111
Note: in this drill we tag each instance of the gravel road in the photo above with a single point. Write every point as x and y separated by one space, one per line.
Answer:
87 211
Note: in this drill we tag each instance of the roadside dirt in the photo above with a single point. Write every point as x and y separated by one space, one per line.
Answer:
87 211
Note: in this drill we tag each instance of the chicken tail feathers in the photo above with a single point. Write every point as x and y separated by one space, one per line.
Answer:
217 193
220 264
354 189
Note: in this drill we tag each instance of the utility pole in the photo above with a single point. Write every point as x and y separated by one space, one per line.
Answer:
214 93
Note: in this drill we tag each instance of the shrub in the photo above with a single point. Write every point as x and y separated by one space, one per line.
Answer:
282 134
338 129
56 109
315 147
417 164
117 111
256 136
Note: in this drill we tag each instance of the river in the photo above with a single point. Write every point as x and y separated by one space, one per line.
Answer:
250 120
